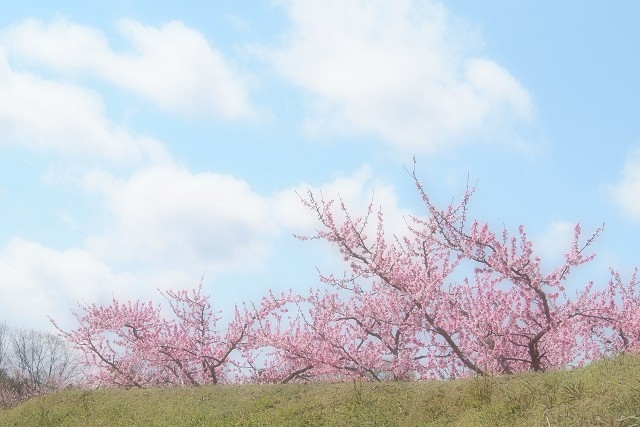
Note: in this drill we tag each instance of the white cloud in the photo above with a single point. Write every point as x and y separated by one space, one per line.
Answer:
162 228
398 70
38 282
626 192
170 218
53 116
172 65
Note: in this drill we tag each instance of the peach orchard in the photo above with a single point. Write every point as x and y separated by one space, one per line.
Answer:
449 298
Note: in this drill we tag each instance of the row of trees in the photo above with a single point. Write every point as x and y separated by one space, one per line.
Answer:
34 363
450 297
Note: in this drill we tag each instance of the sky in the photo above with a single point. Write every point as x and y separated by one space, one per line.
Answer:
149 145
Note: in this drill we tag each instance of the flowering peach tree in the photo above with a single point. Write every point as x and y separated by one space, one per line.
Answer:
133 345
406 309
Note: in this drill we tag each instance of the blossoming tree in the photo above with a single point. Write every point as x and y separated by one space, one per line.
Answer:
405 310
133 345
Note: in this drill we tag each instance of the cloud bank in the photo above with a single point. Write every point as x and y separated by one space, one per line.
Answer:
626 192
173 65
398 70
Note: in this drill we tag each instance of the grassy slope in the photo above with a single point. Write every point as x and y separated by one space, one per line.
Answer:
606 393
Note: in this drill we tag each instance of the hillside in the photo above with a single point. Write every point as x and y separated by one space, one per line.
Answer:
606 393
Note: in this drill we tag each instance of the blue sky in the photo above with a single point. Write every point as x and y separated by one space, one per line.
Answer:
144 144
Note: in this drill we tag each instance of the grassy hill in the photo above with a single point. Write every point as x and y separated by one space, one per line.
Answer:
606 393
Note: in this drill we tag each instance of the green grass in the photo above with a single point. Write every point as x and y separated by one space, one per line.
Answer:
607 393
